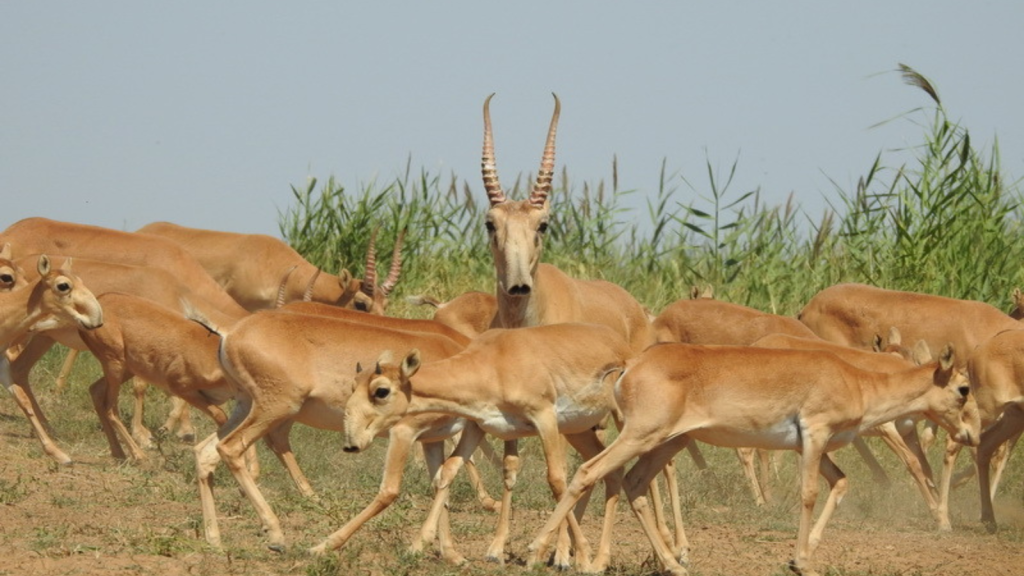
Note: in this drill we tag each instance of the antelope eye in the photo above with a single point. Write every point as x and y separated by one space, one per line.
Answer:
6 278
964 391
490 226
64 287
362 306
381 393
543 227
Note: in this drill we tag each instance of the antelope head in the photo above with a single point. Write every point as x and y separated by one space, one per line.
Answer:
62 299
515 229
952 405
379 399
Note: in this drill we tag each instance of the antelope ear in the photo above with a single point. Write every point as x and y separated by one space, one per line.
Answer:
344 278
5 251
946 357
43 266
876 343
359 367
895 338
411 364
921 354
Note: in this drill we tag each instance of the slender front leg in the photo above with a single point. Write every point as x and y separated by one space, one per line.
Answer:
948 462
433 455
400 440
810 466
471 436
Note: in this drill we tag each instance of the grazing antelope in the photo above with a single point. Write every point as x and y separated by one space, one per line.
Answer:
471 313
709 321
292 367
804 400
854 314
39 235
58 298
997 375
249 267
550 381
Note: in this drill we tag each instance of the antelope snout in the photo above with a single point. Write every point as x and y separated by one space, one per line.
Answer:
519 290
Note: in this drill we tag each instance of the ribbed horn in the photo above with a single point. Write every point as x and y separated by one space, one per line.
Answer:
396 266
542 187
370 273
488 166
281 290
307 294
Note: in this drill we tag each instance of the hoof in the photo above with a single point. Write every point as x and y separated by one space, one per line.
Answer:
189 438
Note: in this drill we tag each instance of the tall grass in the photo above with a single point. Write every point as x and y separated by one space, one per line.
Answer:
944 222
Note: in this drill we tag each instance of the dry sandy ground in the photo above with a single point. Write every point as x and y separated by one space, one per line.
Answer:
101 517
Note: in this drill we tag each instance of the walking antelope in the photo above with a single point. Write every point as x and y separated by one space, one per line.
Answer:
550 381
154 284
899 435
852 314
58 298
996 370
804 400
292 367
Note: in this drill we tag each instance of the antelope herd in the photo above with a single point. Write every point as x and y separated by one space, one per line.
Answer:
251 334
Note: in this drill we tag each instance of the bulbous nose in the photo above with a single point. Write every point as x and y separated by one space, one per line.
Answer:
519 290
350 449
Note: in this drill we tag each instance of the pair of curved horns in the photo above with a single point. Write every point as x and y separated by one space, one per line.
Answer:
489 168
370 275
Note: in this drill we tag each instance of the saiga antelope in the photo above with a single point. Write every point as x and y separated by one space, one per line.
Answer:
703 320
471 313
550 381
804 400
900 435
293 367
852 314
58 298
154 284
997 376
531 293
249 267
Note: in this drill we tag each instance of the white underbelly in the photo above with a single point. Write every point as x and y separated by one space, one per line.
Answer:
452 427
783 435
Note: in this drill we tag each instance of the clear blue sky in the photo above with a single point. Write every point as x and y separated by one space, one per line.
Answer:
204 113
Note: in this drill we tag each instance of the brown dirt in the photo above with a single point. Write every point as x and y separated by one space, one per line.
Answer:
103 517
